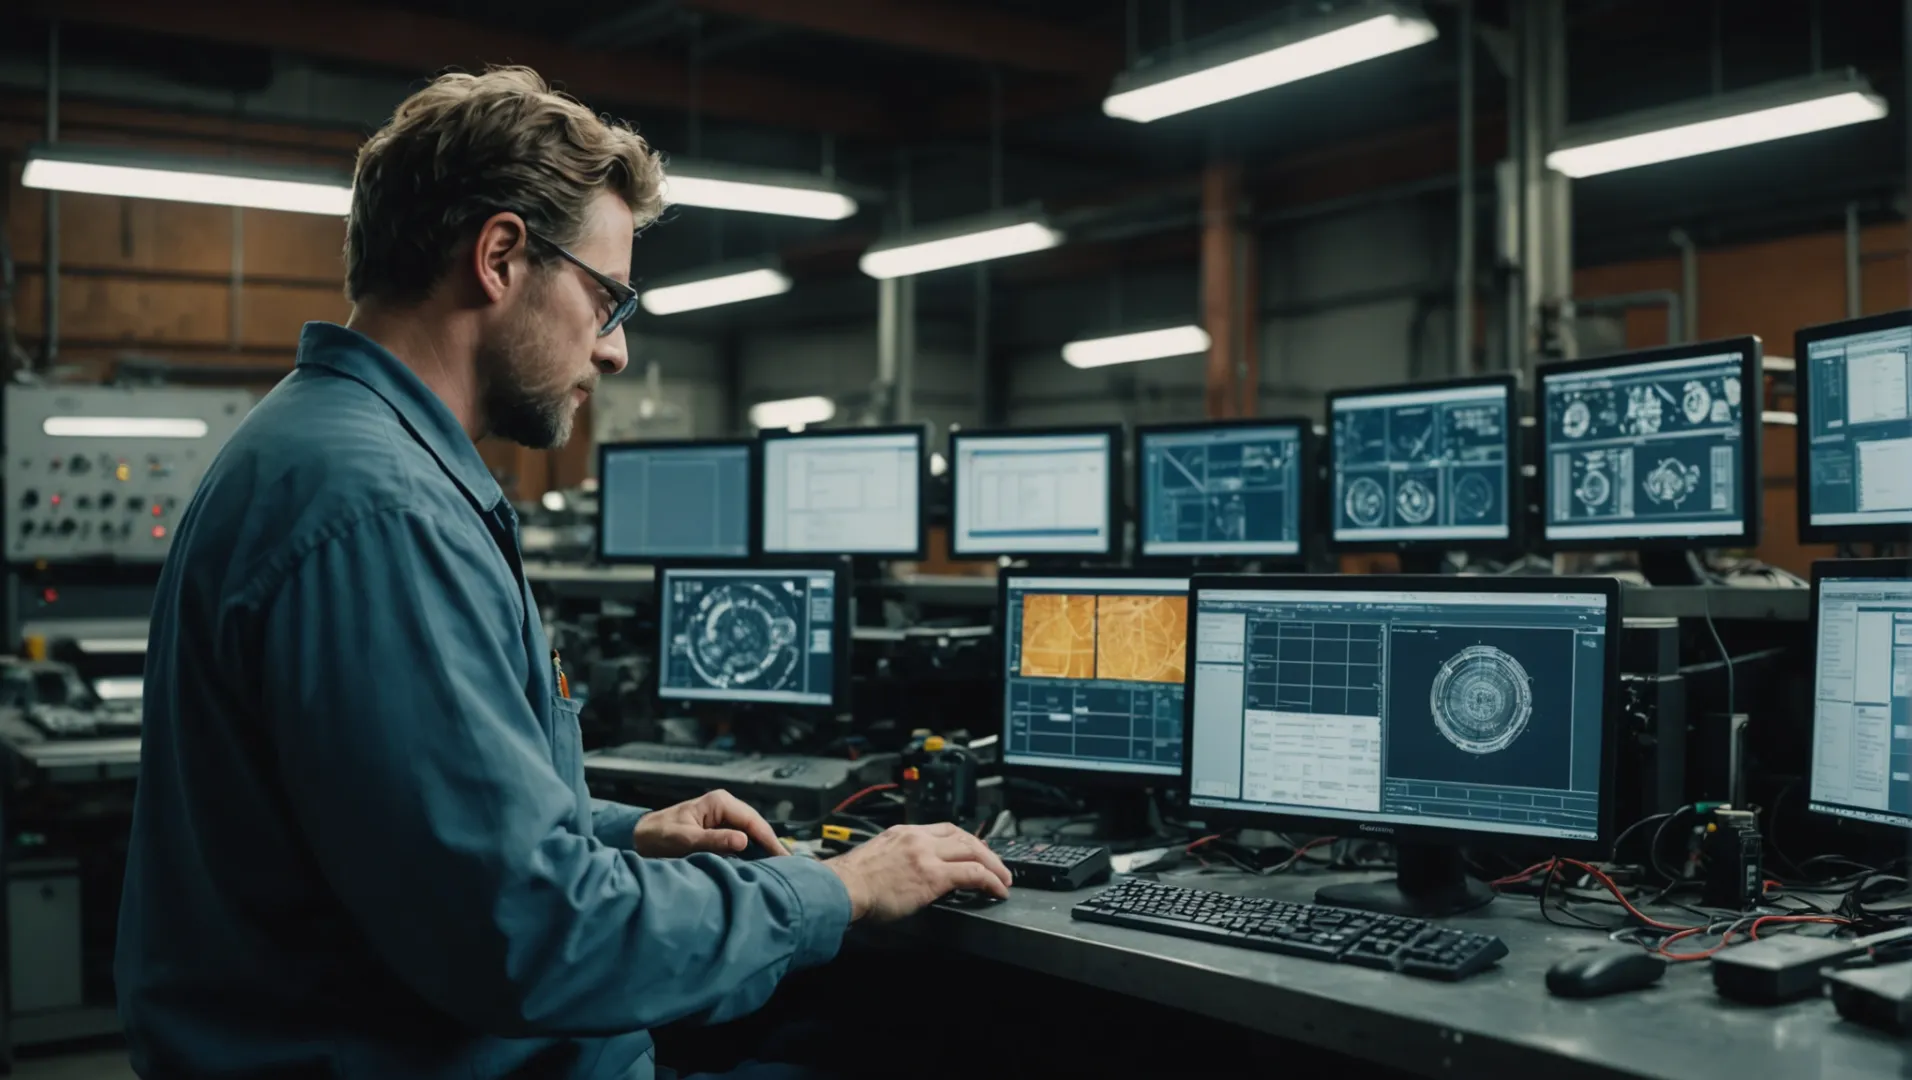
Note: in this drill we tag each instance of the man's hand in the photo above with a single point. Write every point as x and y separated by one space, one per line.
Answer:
906 867
718 821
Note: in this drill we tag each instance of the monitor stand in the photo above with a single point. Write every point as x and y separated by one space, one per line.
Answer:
1669 568
1432 881
1124 818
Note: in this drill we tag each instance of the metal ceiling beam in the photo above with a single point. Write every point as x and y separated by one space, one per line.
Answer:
945 29
419 44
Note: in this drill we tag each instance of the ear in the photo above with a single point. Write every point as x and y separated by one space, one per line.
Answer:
494 257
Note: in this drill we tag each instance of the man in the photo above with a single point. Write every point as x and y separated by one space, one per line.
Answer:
362 844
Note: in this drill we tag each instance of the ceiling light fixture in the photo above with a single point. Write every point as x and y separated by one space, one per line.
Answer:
713 286
1136 347
1741 118
111 170
124 427
960 243
726 187
1254 62
792 413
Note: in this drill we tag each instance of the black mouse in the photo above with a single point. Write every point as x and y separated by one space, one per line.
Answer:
753 851
967 898
1604 969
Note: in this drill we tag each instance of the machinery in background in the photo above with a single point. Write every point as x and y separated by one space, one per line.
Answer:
938 782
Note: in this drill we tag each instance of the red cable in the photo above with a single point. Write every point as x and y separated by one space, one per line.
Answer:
852 800
1190 848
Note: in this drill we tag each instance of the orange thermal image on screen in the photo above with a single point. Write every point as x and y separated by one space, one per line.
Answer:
1058 636
1141 638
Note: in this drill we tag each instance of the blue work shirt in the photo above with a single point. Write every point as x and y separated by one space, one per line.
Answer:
362 844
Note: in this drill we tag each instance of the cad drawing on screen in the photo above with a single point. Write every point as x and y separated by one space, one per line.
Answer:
1671 481
1481 699
743 635
1415 501
1473 497
1366 502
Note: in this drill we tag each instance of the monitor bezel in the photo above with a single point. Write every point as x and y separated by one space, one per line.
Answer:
1118 460
1059 774
1610 726
1514 497
1841 569
1305 494
916 554
753 465
1802 407
1752 384
841 638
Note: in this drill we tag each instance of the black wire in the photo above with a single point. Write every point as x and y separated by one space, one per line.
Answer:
1659 837
1635 827
1726 657
1546 884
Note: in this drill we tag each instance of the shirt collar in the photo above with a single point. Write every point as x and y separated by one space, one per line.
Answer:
349 353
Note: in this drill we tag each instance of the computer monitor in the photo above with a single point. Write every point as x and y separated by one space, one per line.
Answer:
1429 710
1855 429
1431 466
675 500
1657 448
754 635
1222 489
854 491
1043 493
1862 690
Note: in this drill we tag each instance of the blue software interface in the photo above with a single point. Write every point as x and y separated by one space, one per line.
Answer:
1422 465
1093 673
1221 491
748 635
1017 494
1862 702
1860 453
1479 711
1642 450
688 502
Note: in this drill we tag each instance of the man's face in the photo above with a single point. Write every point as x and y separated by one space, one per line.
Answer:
545 357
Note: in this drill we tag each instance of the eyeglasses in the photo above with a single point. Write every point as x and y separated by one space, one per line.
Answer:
623 297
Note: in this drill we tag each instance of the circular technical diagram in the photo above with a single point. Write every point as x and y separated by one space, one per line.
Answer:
1696 402
1671 481
1731 385
742 635
1415 501
1644 411
1594 489
1365 503
1481 699
1473 498
1577 419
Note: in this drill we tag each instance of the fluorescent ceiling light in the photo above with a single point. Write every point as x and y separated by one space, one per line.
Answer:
717 287
1131 348
723 187
1257 62
123 427
1722 122
113 646
960 243
117 171
120 687
792 413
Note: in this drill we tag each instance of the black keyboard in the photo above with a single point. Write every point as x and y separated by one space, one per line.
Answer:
675 755
1316 931
1039 864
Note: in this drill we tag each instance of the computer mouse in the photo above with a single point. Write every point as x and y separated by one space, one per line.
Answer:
1604 969
753 851
967 898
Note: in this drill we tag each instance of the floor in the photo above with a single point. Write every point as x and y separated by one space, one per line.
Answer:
75 1065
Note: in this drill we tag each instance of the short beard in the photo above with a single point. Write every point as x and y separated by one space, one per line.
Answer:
514 408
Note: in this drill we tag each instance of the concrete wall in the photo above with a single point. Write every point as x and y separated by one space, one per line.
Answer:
691 401
841 364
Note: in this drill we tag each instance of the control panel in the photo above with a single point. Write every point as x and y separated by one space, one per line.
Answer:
96 472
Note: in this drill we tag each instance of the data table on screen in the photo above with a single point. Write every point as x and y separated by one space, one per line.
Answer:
1862 700
689 502
843 494
1859 437
1033 494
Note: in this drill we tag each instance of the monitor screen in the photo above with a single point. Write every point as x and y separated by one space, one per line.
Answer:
749 635
1092 673
1478 711
1859 390
1033 494
843 494
1862 700
1422 464
674 501
1223 490
1647 449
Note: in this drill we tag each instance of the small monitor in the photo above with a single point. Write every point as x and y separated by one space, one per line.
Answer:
856 491
1855 430
1221 490
675 500
1428 466
747 635
1417 709
1093 672
1862 690
1655 448
1034 493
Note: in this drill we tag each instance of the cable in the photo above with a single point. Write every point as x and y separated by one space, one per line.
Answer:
1635 827
854 799
1659 836
1707 593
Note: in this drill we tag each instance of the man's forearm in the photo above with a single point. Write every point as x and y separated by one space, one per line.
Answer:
614 824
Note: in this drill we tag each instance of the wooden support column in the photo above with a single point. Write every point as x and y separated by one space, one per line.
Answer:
1230 281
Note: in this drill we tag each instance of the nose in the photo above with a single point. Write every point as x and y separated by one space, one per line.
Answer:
612 353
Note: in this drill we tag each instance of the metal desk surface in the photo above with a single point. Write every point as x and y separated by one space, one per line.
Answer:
1493 1024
